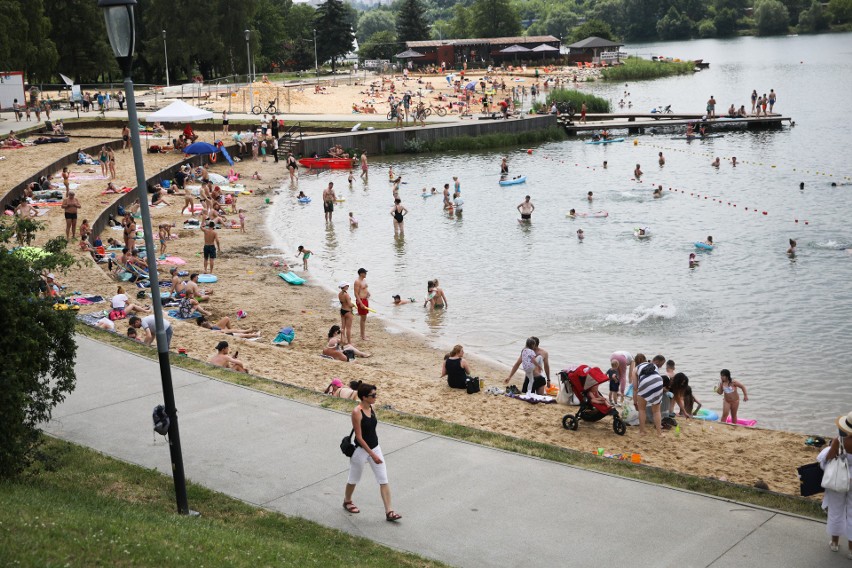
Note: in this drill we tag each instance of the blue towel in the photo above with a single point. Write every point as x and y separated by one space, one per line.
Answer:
176 314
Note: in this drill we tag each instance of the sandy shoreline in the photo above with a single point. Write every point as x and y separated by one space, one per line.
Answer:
404 367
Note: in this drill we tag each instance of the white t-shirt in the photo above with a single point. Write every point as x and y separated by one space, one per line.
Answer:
148 323
119 301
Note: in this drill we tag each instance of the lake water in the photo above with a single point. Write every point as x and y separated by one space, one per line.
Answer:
779 324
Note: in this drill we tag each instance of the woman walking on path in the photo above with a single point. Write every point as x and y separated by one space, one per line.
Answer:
364 423
838 505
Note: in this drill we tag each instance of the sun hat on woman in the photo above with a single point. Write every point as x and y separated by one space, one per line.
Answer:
845 423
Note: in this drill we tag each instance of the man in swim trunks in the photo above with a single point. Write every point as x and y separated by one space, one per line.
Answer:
211 245
346 316
362 300
526 208
71 205
328 201
364 165
223 359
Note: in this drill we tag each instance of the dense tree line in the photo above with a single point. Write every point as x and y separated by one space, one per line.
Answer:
207 37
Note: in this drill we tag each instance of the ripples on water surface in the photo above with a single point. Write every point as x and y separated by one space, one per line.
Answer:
780 325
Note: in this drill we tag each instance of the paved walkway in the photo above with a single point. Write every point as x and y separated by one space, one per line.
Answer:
463 504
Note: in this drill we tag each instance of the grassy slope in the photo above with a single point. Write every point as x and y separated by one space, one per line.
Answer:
82 508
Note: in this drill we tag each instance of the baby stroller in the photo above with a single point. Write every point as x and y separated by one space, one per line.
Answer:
581 380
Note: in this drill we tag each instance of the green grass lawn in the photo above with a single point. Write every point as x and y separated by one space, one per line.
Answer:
77 507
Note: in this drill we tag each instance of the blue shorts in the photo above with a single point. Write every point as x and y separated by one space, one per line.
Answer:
613 385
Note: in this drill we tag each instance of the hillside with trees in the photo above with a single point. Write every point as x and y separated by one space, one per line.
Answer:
206 38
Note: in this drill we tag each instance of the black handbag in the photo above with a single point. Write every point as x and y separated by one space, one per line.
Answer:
472 385
348 448
810 479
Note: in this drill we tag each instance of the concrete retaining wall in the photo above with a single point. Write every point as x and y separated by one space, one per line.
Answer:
392 141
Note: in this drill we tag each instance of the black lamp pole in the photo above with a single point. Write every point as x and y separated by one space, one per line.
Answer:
121 29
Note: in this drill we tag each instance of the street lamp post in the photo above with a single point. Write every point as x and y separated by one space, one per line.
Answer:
316 61
248 70
121 29
166 51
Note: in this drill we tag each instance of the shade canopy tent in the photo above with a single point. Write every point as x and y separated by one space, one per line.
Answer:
408 54
544 49
515 50
593 46
179 111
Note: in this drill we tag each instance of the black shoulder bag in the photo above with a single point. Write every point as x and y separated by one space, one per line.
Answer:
346 445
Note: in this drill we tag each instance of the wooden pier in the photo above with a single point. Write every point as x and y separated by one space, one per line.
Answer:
640 123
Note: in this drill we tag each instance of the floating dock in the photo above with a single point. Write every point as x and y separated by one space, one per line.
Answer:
656 122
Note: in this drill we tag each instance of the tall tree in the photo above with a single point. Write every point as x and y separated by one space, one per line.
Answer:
374 21
814 19
298 46
641 17
411 22
269 21
461 25
611 12
770 17
37 343
596 28
675 25
494 18
27 43
380 45
78 26
840 10
335 31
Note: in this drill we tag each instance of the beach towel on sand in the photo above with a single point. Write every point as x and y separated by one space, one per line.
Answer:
533 398
176 314
285 335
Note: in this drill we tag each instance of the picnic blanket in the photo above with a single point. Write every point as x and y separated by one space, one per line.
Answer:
533 398
176 314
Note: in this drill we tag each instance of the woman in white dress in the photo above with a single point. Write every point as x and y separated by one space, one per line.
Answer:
838 505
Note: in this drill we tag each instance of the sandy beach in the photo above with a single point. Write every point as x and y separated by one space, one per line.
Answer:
403 366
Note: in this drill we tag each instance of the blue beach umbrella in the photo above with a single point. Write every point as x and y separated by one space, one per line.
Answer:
201 148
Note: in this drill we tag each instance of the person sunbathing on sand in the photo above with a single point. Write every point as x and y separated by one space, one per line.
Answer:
335 350
224 325
337 389
223 359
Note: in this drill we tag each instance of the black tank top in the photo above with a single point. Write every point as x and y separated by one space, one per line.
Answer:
456 377
368 429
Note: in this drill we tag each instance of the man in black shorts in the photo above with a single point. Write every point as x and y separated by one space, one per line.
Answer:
328 201
211 245
526 208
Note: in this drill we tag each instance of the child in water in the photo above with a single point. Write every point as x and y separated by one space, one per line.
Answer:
792 250
580 234
306 254
353 222
728 388
692 261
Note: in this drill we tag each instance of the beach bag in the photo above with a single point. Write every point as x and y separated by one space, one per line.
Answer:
161 420
117 315
472 385
346 445
836 476
810 479
563 397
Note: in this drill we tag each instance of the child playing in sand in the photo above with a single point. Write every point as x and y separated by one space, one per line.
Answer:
614 382
165 232
242 215
256 176
353 222
306 254
263 150
728 388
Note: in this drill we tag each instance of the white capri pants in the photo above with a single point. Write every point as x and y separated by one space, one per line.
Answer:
356 466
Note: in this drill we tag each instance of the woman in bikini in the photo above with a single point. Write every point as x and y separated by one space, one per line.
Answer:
346 317
337 389
336 349
728 387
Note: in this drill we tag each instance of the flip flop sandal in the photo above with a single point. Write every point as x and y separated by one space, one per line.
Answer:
392 516
350 507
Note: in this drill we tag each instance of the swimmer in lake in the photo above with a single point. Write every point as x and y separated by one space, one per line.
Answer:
526 209
637 173
662 159
658 192
399 301
734 161
709 240
590 197
792 250
504 167
716 163
692 260
572 213
604 164
580 235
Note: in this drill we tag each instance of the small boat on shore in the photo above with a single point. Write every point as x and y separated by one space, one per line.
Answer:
333 163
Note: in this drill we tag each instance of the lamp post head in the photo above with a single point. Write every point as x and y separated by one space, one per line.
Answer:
164 34
121 30
248 34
